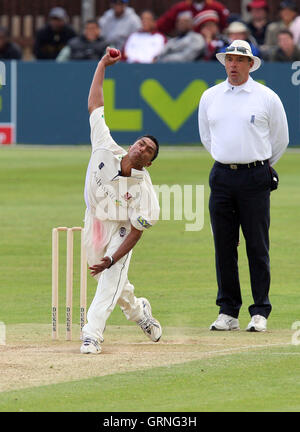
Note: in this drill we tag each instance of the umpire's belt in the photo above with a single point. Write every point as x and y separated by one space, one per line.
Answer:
243 166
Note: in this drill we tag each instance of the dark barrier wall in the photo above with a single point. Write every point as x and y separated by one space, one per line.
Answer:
49 103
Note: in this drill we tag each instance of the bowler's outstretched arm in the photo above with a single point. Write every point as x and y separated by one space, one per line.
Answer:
96 98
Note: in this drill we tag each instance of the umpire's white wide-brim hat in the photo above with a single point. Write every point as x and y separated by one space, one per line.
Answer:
242 48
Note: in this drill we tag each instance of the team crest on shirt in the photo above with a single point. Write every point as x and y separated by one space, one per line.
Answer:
143 222
127 196
122 231
101 165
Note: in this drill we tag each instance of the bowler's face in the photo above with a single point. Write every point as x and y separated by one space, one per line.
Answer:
142 152
237 68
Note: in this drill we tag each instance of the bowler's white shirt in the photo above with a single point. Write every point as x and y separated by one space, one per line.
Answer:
107 193
243 124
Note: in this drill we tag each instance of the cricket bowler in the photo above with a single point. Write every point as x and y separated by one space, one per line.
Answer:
121 205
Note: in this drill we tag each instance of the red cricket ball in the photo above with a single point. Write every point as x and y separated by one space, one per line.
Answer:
114 52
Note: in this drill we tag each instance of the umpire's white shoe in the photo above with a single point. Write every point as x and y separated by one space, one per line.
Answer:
225 322
258 323
90 346
150 326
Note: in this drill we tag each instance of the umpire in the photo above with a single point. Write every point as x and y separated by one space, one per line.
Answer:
243 125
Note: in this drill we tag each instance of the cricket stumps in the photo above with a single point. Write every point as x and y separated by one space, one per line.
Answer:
69 280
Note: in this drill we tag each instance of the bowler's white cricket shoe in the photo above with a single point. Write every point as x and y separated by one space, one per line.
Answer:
150 326
225 322
90 346
258 323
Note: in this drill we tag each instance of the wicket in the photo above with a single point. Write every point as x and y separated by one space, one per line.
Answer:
69 280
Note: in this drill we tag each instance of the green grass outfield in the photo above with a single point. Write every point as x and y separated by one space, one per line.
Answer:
192 368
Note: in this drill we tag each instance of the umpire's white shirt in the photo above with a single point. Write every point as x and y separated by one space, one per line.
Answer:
243 124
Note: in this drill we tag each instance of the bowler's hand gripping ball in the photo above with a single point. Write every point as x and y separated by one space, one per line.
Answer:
114 52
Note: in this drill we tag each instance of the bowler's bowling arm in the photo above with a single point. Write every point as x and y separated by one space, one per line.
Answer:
128 244
96 97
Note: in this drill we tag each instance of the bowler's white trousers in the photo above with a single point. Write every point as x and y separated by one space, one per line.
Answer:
113 285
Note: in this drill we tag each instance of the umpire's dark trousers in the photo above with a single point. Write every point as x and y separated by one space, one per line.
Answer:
240 197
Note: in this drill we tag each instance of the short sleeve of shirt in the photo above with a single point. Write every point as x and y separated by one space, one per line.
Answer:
100 134
142 220
146 214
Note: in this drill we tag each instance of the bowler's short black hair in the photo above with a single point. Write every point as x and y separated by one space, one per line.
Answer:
155 142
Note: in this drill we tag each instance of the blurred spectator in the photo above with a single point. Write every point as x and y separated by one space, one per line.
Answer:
143 46
207 24
119 22
286 51
239 31
289 20
166 23
187 46
234 17
244 12
257 25
51 39
89 46
8 50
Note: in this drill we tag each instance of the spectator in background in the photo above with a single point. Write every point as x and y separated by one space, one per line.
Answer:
259 20
286 51
166 23
118 23
289 20
8 50
187 46
51 39
239 31
207 24
145 45
89 46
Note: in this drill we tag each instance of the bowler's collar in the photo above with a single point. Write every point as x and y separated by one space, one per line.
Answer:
135 174
138 174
